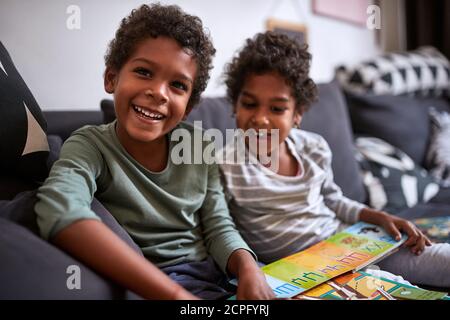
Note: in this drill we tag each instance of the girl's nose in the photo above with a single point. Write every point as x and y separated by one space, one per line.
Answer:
260 119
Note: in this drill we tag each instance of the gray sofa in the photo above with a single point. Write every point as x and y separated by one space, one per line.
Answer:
34 269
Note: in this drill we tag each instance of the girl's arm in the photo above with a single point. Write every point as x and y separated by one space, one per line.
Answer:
98 247
393 225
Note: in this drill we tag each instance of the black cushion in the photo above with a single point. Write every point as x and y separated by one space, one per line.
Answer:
63 123
329 118
393 181
32 268
402 121
107 107
23 142
21 211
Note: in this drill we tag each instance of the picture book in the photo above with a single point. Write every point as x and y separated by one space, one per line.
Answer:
437 229
363 286
352 249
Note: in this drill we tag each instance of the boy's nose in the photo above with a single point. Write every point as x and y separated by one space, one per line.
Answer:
158 93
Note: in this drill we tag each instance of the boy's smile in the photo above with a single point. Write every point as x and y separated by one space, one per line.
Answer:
151 92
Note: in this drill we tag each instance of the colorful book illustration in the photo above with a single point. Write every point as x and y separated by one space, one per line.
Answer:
350 250
363 286
437 229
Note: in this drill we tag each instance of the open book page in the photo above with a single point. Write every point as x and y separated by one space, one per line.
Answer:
363 286
349 250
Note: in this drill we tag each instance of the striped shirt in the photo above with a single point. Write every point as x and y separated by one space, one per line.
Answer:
281 215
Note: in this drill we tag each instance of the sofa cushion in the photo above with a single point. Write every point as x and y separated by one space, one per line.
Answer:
23 143
329 118
63 123
214 113
393 181
424 72
402 121
107 107
21 211
32 268
438 155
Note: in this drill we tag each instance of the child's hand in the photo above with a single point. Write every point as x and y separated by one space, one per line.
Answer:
252 283
393 225
253 286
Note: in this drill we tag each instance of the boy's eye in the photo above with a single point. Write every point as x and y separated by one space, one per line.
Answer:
143 72
278 109
180 85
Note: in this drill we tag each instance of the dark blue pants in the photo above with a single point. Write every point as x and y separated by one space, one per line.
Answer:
203 279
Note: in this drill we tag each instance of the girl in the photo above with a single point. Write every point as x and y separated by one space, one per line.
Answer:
280 212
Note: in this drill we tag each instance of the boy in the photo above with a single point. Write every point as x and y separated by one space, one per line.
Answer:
156 67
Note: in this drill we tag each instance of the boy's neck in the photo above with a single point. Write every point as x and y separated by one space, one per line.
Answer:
152 155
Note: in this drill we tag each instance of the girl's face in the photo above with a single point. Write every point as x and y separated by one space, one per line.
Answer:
266 102
151 90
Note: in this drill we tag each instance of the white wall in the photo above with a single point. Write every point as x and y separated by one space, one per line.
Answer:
64 68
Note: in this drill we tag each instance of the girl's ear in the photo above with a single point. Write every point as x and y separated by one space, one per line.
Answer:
110 80
298 118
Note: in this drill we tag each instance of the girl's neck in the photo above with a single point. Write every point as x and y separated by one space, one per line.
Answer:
287 164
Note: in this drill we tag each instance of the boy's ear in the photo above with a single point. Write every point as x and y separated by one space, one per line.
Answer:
110 80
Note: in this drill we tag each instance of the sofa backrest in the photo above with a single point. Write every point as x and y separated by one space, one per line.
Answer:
329 117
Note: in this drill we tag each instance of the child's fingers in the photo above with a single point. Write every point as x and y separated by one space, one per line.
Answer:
413 235
419 246
393 231
428 241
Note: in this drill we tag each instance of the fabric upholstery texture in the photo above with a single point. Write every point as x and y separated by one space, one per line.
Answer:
394 182
424 72
438 155
399 120
329 118
23 143
32 268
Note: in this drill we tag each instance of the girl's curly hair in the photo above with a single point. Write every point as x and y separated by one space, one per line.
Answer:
157 20
271 51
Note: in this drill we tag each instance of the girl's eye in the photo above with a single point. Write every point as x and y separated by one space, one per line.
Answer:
143 72
180 85
278 109
248 105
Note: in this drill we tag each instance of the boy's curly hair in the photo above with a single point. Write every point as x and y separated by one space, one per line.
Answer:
157 20
271 51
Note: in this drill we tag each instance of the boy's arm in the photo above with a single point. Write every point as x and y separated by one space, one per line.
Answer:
252 282
98 247
226 245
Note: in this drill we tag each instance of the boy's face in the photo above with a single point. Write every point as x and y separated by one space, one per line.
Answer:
266 102
151 90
